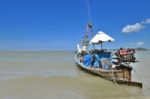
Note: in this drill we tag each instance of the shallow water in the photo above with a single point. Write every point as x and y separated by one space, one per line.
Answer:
54 75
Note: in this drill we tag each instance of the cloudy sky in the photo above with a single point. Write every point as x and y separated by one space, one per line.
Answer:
60 24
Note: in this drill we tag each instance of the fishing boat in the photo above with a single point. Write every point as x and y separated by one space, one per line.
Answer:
101 62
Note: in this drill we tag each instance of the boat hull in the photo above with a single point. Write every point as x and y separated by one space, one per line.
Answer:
116 76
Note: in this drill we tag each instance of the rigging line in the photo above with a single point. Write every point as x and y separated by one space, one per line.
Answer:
141 79
122 89
114 78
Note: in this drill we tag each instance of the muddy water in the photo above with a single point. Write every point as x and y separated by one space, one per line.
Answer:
53 75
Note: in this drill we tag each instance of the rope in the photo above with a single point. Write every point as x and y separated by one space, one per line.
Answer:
114 78
123 90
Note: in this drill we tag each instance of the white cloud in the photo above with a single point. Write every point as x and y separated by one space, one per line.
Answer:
139 43
146 21
136 27
131 43
132 28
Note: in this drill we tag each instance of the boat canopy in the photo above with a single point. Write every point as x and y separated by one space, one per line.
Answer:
101 37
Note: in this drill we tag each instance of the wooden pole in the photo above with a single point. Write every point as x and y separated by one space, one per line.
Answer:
101 45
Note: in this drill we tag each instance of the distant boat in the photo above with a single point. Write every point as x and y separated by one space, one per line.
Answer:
100 61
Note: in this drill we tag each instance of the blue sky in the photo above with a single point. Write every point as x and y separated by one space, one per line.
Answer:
60 24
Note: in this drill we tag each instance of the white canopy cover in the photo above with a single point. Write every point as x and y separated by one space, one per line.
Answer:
101 37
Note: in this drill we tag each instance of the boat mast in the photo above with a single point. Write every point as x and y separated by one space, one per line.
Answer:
89 30
90 23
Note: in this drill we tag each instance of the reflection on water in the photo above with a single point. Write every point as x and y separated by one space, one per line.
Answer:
37 74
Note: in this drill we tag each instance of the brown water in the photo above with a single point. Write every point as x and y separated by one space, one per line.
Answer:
53 75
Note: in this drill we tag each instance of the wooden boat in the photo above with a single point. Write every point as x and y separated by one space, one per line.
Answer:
117 72
118 76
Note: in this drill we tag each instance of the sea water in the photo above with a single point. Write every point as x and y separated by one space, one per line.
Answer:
54 75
